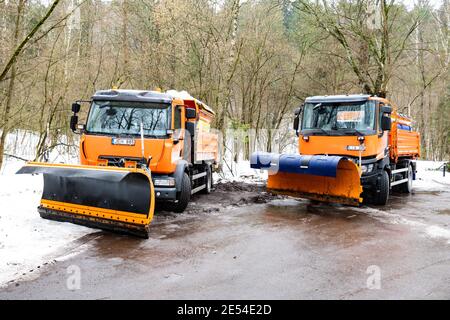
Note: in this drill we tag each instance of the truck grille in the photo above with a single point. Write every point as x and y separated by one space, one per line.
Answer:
119 161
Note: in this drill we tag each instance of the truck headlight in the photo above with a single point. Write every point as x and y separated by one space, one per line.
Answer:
167 182
367 168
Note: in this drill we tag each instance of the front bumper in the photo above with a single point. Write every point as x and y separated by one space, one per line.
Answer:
165 193
370 181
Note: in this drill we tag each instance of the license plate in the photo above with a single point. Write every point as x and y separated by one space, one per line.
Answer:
356 148
123 141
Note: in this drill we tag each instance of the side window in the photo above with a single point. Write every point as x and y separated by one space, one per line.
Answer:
380 115
177 118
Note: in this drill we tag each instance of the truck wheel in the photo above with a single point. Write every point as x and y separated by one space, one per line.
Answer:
407 187
381 198
208 181
183 197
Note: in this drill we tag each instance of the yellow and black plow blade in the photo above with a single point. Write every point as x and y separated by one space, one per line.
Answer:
116 199
322 178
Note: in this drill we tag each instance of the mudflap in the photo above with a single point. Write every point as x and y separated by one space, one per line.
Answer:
322 178
110 198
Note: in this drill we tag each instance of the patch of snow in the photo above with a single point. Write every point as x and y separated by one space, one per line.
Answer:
438 232
73 253
22 144
391 217
180 94
289 202
240 172
430 178
26 240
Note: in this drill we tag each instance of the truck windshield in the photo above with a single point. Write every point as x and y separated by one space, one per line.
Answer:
339 118
125 118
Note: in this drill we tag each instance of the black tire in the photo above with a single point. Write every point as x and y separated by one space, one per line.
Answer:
183 197
208 181
407 187
382 193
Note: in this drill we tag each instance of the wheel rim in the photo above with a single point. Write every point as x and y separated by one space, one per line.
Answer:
410 178
208 184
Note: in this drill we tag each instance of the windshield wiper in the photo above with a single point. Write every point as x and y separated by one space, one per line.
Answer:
359 133
322 130
317 106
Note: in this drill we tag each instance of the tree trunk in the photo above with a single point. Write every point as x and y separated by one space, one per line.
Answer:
12 79
125 49
19 48
423 82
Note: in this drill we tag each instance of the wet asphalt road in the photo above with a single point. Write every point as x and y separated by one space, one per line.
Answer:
284 249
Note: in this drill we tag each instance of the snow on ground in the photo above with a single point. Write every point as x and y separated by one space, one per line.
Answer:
22 144
27 241
430 177
240 172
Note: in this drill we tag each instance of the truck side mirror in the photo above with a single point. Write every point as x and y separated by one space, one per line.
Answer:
191 113
76 107
386 123
298 111
296 123
73 123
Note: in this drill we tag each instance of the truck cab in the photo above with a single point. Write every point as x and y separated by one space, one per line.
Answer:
165 132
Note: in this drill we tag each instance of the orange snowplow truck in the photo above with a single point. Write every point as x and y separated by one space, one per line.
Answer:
352 148
137 147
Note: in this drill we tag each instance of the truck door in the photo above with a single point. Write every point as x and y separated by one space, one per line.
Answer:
179 132
383 136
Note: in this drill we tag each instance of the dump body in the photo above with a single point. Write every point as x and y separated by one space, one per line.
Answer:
403 141
206 142
375 145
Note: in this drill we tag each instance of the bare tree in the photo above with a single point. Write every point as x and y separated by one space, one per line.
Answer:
364 30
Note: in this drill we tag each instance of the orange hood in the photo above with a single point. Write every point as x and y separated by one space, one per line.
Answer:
337 145
93 147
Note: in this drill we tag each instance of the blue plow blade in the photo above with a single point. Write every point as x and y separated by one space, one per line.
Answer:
325 166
